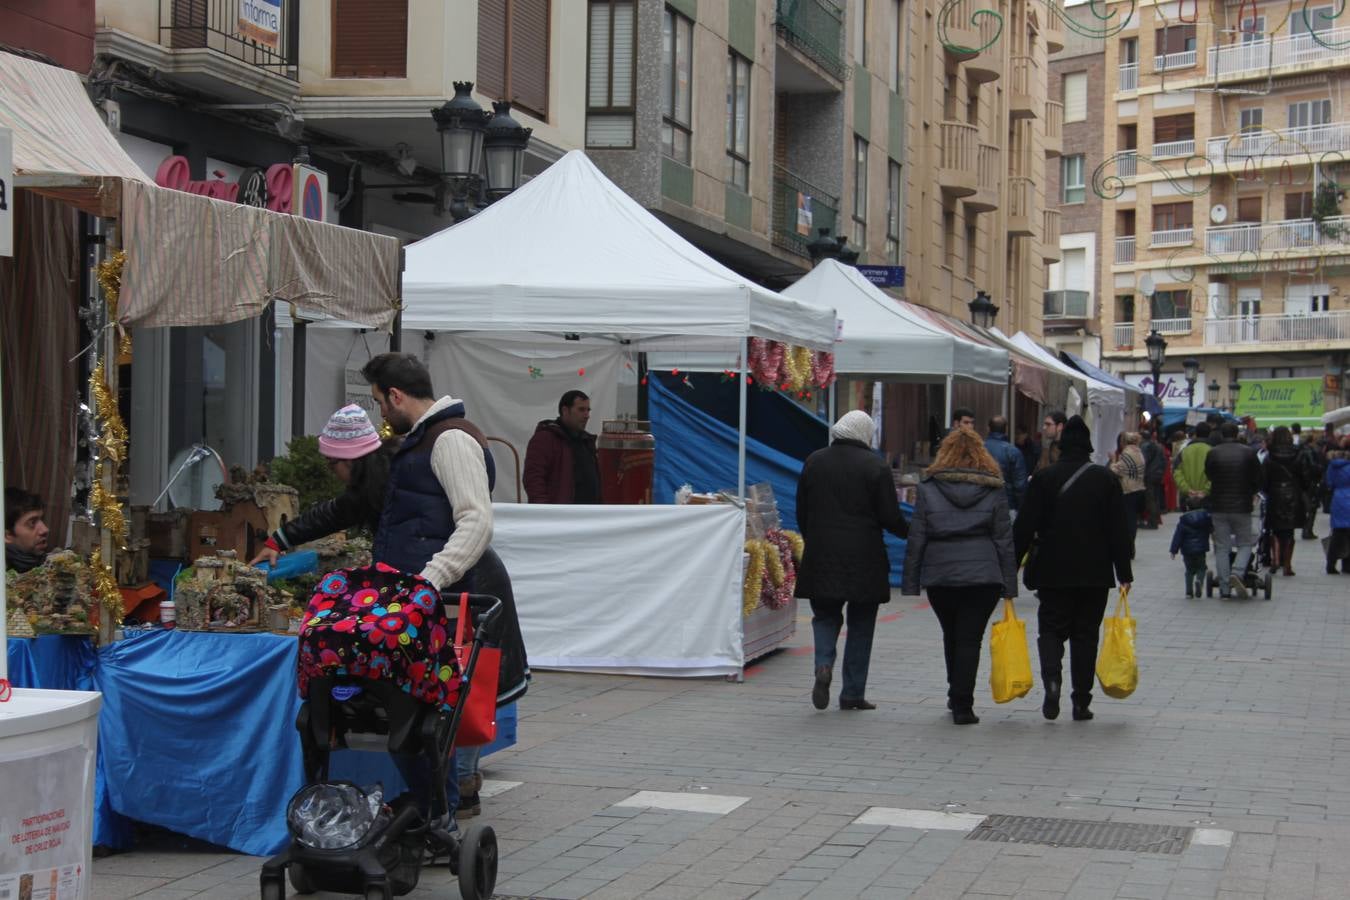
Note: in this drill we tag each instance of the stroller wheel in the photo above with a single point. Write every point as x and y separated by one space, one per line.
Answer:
300 879
273 890
1265 587
379 892
478 863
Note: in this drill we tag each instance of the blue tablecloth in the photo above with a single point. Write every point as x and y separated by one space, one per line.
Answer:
197 732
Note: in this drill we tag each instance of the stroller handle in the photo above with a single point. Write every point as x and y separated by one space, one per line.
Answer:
485 609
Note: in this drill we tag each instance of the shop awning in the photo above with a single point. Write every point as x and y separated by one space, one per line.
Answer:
191 260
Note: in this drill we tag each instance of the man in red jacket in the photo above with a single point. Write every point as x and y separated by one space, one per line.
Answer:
561 465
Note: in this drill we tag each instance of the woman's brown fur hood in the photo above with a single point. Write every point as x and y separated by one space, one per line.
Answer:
968 476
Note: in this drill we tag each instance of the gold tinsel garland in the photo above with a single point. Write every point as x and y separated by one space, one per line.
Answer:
105 586
112 439
798 545
797 365
754 575
110 279
108 507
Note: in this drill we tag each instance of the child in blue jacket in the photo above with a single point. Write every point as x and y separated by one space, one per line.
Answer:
1192 539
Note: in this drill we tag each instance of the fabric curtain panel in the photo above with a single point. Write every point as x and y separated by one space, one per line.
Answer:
39 335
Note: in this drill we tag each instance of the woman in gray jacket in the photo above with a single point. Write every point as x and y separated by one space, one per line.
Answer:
960 551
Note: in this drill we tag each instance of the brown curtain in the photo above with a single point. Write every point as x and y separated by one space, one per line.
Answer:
39 302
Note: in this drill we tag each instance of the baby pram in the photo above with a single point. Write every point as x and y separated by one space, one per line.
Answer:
379 848
1258 575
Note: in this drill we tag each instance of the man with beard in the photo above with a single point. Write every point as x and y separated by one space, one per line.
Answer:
25 531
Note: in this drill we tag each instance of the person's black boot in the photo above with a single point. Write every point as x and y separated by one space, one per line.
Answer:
965 716
855 703
820 694
1050 708
1081 713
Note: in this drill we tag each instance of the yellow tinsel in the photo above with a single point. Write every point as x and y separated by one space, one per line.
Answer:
774 560
108 507
754 576
110 279
798 544
112 439
797 365
105 586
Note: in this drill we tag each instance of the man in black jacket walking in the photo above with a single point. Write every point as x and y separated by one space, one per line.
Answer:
1075 515
1235 475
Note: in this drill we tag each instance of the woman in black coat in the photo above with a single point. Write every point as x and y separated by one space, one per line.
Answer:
961 552
1075 516
845 500
1285 490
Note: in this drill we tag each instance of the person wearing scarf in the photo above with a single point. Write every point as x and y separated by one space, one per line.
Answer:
25 531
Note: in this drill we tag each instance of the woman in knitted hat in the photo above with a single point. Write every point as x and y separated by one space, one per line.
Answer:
360 459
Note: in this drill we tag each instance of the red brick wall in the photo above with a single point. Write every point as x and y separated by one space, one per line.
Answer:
1080 137
61 29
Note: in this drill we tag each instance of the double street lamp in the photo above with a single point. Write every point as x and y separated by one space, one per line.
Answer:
482 153
983 312
1157 355
823 246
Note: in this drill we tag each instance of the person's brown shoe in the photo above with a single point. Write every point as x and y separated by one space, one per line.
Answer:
820 693
855 703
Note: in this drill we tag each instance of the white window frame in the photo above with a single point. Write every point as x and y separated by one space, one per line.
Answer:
738 139
674 24
1072 189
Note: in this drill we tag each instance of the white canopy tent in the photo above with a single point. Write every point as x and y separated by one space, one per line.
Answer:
1106 402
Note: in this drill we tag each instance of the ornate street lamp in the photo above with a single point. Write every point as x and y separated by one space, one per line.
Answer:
461 123
1214 392
1157 355
982 310
1191 366
823 246
504 152
1234 392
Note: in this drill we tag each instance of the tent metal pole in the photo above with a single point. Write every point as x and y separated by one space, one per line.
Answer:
833 412
4 608
740 447
947 420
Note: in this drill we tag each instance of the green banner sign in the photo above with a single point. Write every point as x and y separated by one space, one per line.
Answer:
1282 401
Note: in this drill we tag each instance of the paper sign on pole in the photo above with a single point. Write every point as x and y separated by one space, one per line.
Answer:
43 824
6 192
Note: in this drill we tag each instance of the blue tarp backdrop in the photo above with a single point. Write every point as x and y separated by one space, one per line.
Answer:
695 448
197 732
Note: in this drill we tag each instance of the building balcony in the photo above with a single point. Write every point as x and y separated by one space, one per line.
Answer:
1129 77
1065 305
1053 32
1023 102
1166 62
815 29
989 171
1124 250
1256 59
799 208
958 176
960 30
1127 163
987 65
1054 128
1124 335
1174 149
1172 237
1020 207
1171 326
1270 145
1280 235
1278 329
1050 251
214 25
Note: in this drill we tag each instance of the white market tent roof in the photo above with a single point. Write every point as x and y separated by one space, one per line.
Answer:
1106 401
570 252
880 338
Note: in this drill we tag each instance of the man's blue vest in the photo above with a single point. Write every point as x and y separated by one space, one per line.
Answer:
417 519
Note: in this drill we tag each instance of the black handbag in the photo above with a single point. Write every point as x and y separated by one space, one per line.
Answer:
1030 568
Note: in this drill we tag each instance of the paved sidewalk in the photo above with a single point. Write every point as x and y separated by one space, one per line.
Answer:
1238 735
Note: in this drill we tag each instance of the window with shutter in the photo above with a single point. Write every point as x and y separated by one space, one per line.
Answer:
513 53
1075 97
370 38
610 103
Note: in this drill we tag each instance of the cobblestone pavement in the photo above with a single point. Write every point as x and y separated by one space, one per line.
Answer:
1238 733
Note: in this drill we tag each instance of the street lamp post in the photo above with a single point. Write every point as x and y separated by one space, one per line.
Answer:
983 312
1214 392
823 246
1234 389
1191 366
1157 354
475 144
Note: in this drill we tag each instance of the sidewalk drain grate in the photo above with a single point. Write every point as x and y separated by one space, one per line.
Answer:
1081 833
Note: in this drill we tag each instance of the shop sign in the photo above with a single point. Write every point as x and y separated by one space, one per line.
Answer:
804 215
1175 391
270 189
1281 399
310 198
43 824
884 276
6 185
1331 384
260 22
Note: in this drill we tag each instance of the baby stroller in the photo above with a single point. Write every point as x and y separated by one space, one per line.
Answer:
1262 558
347 841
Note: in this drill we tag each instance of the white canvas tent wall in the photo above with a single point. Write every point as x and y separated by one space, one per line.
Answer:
1106 402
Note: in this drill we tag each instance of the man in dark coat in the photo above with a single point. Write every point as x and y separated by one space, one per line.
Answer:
1010 461
1155 469
561 465
1075 515
1235 475
845 499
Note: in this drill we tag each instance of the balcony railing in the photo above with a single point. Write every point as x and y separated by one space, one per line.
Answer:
1127 163
799 208
991 167
959 143
1129 77
1256 57
1164 62
1054 120
1174 148
1172 237
215 25
1171 326
1286 234
1023 74
1050 227
1320 326
1124 335
1125 249
1066 305
1019 196
816 28
1307 141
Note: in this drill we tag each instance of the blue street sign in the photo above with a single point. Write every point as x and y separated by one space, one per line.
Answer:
884 276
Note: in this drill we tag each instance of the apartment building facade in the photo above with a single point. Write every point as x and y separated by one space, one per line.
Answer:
1223 180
